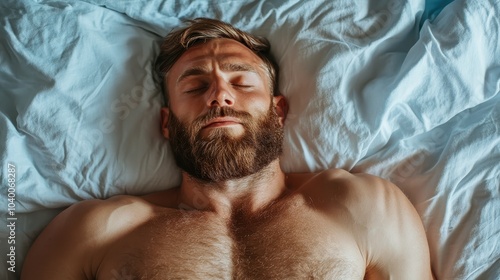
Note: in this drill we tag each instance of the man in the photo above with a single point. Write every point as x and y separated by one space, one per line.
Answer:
236 215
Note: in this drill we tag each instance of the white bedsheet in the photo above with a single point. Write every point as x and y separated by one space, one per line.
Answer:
405 91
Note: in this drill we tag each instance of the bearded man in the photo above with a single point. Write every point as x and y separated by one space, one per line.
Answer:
236 214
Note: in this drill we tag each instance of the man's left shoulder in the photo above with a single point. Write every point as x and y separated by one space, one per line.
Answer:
383 221
352 183
341 188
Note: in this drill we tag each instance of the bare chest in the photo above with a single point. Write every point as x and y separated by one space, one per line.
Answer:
193 245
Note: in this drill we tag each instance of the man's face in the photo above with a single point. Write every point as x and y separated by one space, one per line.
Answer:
222 122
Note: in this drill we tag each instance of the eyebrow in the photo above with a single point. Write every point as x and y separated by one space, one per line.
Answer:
237 67
227 67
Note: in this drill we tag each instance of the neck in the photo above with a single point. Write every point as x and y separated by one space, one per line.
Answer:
248 194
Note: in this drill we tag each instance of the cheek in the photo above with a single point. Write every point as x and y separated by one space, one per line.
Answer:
187 110
259 107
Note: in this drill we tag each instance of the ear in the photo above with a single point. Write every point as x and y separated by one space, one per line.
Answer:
165 112
281 106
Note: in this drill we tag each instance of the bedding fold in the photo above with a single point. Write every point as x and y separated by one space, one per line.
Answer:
409 91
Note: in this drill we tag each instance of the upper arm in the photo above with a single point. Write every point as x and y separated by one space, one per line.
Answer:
61 250
394 238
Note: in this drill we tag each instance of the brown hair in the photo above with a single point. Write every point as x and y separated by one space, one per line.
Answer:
201 30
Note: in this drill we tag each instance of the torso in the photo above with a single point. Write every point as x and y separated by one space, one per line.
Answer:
289 240
333 225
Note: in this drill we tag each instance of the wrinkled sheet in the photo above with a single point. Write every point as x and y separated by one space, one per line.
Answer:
406 91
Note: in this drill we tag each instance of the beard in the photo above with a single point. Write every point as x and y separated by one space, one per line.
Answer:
220 156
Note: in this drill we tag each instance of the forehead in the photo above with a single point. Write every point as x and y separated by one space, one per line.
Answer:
215 50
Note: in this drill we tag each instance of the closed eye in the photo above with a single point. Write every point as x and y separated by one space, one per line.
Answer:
245 86
243 80
196 90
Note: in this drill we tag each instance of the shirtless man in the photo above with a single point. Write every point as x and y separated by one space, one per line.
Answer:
236 215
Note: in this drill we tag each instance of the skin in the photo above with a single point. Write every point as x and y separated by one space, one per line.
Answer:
270 225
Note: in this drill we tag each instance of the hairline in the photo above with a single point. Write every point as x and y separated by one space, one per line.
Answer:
201 30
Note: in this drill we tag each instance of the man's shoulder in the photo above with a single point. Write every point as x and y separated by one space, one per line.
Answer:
381 218
364 195
94 207
116 212
344 183
101 218
79 236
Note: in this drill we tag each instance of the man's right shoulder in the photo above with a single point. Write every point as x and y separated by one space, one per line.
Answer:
98 220
92 206
109 217
79 236
106 218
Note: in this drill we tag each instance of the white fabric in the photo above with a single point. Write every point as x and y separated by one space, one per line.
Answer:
372 86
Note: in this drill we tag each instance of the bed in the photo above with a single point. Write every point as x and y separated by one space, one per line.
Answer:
405 90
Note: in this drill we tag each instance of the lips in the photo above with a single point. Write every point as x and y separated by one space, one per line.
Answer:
221 121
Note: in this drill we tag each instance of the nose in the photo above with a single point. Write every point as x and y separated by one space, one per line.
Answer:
220 94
